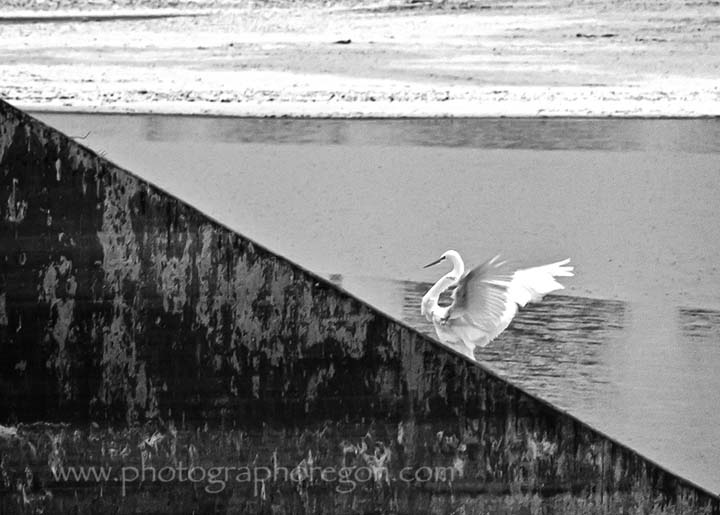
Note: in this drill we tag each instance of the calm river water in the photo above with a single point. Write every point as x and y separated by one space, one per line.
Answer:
633 347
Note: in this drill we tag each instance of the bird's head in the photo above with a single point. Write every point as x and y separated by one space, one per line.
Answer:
450 255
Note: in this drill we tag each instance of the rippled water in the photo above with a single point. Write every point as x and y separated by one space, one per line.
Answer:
633 347
648 379
552 348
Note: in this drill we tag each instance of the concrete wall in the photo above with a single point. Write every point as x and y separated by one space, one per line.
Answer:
136 332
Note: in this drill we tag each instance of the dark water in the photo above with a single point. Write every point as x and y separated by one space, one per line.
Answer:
675 135
633 348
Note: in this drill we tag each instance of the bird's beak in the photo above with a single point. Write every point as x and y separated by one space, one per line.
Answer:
433 263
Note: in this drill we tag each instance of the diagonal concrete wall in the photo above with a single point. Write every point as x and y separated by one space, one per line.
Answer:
136 332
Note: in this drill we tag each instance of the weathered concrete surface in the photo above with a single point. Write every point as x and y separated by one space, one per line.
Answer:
136 332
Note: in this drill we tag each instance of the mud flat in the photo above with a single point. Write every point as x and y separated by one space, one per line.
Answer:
361 60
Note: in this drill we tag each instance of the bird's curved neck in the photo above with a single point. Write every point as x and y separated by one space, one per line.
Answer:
430 299
458 266
440 286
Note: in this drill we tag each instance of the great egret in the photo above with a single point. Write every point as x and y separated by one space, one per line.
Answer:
485 299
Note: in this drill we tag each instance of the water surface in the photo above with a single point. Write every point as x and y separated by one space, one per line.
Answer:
633 347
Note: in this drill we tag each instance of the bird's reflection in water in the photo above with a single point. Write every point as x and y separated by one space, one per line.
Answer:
701 325
552 348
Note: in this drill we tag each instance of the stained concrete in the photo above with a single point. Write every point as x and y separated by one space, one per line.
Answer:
135 331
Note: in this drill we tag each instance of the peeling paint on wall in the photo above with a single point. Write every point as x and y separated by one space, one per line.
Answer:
206 305
121 267
3 310
117 237
7 130
16 207
174 276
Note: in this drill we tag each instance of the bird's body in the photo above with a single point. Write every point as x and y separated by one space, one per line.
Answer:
485 299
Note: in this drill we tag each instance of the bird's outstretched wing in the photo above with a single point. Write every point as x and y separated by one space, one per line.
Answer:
482 297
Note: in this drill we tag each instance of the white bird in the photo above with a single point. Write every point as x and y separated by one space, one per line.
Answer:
485 299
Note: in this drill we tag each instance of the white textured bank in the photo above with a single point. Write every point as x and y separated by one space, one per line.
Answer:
511 58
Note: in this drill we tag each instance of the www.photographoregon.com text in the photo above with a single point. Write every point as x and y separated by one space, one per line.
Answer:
216 479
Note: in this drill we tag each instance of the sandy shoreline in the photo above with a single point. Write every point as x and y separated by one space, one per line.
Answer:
371 111
515 59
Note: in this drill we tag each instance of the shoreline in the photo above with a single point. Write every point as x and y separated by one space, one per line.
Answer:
534 60
496 108
75 110
327 115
